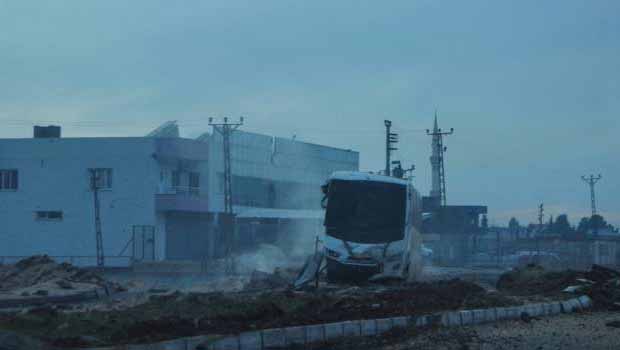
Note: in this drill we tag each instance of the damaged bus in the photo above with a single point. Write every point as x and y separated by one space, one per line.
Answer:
372 227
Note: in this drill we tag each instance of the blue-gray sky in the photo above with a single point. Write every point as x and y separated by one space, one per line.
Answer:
531 87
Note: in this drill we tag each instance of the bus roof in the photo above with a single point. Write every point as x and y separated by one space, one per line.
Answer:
362 176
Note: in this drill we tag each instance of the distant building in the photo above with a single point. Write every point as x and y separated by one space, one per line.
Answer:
165 190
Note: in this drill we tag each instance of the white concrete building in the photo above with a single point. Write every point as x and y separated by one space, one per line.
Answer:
170 185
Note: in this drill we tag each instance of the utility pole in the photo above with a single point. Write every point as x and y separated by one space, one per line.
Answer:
94 185
437 159
390 139
225 129
541 216
591 181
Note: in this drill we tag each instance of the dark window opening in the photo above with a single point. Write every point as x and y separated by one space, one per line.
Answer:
9 179
49 215
103 177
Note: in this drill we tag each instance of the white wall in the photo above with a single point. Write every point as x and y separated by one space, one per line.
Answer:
277 159
53 176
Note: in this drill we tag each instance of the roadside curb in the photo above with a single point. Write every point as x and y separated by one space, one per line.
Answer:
308 335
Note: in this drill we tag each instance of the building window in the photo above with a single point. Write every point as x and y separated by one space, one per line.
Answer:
49 215
8 180
176 178
194 183
103 177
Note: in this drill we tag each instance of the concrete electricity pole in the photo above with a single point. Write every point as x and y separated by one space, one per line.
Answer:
225 129
390 139
591 181
94 185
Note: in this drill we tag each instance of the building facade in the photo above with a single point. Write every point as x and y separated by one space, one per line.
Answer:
160 197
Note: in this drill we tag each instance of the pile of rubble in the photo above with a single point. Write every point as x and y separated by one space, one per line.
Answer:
173 315
39 274
600 283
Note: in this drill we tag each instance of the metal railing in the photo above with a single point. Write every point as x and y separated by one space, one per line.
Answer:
180 190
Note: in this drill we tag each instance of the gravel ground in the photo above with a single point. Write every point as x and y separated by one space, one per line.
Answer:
574 331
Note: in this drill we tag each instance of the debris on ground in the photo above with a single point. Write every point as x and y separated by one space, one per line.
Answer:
534 279
613 324
15 341
310 271
174 315
40 275
264 280
600 283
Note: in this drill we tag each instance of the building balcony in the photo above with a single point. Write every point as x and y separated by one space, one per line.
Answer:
181 198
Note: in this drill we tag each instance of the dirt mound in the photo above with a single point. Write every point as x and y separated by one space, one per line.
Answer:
40 269
179 314
600 283
535 280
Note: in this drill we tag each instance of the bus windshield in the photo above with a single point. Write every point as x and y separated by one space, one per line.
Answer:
366 211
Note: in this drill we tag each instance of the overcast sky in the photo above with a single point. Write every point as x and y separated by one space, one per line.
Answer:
532 88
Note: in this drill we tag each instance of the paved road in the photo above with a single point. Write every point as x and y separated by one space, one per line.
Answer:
575 331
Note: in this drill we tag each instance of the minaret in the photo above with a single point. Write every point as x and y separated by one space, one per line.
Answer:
438 189
436 161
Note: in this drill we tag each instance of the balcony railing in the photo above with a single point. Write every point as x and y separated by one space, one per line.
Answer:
181 198
180 190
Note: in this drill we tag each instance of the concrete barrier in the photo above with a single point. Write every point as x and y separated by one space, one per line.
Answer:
333 331
315 334
400 322
384 325
422 321
273 338
295 336
585 302
451 319
369 328
250 341
571 305
229 343
351 328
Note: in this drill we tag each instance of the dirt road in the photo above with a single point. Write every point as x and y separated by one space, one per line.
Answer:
575 331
